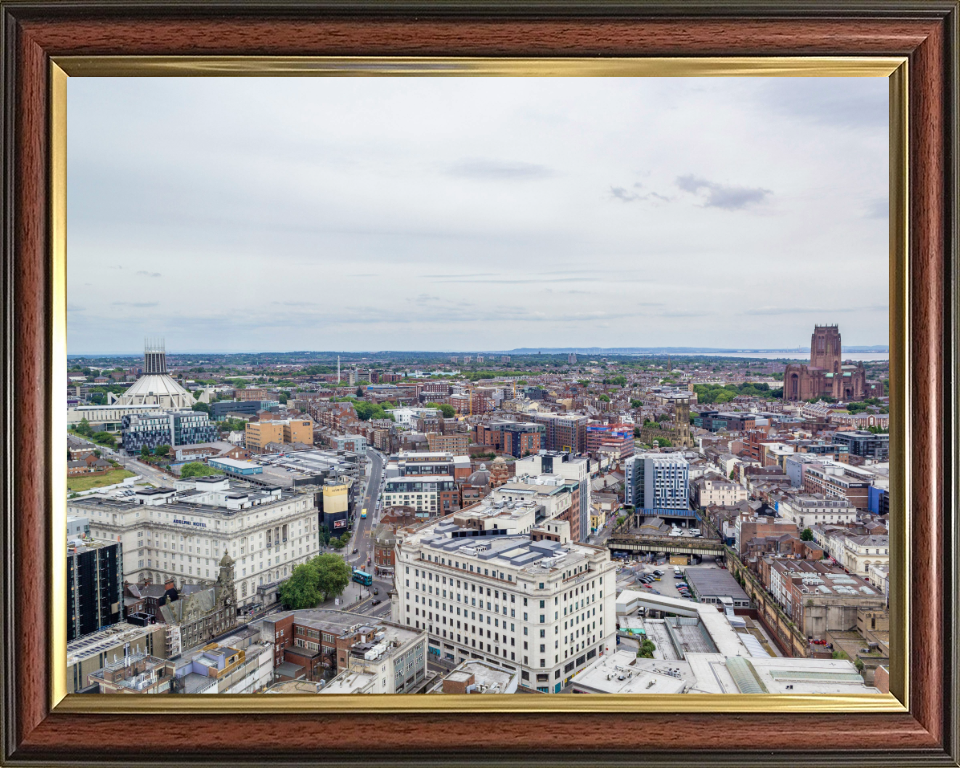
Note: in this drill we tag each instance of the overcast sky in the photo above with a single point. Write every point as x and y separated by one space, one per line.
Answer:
474 214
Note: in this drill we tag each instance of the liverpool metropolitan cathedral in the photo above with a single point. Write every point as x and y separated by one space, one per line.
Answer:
827 376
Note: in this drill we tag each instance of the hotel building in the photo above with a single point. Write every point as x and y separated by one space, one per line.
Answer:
182 533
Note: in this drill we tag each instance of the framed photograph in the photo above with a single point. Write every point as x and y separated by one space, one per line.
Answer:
485 175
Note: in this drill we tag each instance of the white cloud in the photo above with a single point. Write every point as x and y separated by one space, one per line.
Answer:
440 213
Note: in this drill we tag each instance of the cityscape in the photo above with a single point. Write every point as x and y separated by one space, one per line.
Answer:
443 385
526 521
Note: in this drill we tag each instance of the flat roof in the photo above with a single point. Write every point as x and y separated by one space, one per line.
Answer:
483 674
712 582
623 672
234 463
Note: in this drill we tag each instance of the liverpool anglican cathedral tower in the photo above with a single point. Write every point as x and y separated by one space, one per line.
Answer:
827 376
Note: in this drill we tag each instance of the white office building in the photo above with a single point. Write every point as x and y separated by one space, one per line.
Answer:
815 509
182 532
487 584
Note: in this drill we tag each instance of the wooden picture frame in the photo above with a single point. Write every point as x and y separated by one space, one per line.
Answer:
40 728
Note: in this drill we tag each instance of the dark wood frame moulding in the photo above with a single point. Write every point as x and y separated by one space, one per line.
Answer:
925 32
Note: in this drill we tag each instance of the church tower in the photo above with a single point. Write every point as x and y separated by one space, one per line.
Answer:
155 357
825 350
226 590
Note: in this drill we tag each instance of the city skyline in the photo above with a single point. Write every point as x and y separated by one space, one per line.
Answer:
490 214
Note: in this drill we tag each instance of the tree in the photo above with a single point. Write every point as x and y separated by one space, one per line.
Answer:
448 411
302 589
620 520
144 451
647 647
359 392
282 398
806 535
105 439
334 575
636 403
663 442
205 407
636 431
196 469
83 428
338 542
162 450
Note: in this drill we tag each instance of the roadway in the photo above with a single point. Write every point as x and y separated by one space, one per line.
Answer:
363 529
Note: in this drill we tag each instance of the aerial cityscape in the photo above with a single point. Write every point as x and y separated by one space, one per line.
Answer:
478 386
533 522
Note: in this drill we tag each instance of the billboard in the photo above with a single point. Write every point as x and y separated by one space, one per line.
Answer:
340 523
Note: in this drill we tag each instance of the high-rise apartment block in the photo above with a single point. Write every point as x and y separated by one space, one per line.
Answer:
94 586
657 483
563 433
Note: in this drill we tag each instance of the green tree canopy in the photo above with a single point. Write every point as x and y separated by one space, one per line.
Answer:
302 589
334 574
83 428
367 411
647 647
205 407
806 535
105 439
162 450
715 393
448 411
196 469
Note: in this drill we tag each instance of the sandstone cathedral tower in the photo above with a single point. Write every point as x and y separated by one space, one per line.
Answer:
827 376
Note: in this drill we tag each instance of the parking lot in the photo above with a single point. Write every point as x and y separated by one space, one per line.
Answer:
667 585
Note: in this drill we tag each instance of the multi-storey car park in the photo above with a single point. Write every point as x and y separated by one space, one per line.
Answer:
487 583
181 533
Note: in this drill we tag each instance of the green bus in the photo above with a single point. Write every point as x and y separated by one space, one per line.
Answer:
362 577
